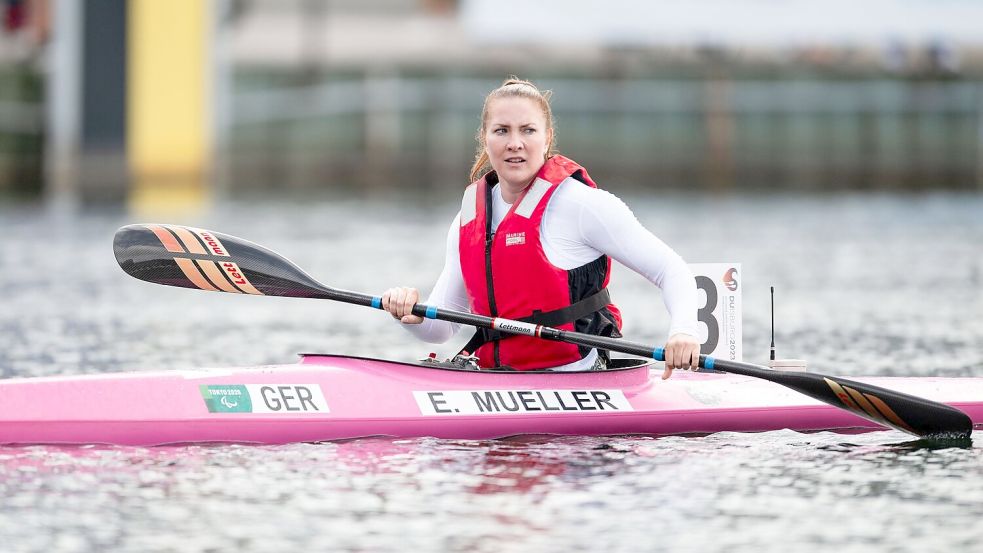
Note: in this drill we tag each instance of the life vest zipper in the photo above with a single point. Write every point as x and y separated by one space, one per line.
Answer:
489 239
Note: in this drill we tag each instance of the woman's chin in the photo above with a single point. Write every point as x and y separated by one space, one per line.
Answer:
517 175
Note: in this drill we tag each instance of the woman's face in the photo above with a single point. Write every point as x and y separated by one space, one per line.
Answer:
516 140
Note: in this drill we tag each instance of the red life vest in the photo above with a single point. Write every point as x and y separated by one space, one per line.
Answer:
507 274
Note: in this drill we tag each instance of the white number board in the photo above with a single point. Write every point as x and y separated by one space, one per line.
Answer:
719 314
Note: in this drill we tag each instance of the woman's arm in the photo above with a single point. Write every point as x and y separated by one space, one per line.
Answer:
587 222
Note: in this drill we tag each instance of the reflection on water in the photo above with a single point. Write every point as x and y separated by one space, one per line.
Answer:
721 492
865 285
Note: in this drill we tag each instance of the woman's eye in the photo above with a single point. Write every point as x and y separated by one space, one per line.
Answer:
499 131
529 131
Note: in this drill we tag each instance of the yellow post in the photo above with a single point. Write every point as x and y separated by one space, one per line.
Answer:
168 135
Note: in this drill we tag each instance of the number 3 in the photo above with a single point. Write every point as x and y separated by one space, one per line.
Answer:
705 314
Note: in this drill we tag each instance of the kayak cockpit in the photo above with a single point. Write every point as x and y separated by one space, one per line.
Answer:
615 365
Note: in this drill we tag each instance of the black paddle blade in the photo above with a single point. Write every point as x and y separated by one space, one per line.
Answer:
912 414
190 257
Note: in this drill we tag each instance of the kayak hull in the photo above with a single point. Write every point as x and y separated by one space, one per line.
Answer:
328 397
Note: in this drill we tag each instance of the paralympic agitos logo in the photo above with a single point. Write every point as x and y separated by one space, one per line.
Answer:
730 279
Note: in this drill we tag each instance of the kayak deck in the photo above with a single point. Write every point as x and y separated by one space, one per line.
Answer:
331 397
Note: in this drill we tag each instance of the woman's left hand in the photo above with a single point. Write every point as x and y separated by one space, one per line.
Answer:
682 352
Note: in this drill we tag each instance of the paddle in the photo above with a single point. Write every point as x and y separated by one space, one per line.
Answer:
196 258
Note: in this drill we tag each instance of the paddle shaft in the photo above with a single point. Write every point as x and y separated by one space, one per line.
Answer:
196 258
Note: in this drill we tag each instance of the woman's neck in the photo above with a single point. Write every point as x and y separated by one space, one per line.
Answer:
511 192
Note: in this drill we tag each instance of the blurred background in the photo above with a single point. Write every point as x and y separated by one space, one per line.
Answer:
185 102
834 148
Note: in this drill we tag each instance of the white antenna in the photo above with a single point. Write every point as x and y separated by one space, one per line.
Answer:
772 323
781 364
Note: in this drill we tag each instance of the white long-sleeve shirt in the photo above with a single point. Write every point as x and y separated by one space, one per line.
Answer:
580 224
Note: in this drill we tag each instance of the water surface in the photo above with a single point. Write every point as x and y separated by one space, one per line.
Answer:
866 285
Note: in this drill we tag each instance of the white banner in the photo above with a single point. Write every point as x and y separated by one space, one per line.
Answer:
719 286
522 402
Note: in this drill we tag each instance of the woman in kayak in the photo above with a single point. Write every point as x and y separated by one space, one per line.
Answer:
534 241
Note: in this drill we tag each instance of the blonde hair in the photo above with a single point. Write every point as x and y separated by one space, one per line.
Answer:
513 87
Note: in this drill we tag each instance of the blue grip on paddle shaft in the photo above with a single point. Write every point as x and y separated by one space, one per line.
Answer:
659 354
431 312
377 302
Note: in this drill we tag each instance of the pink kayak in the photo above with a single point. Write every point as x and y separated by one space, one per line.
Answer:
332 397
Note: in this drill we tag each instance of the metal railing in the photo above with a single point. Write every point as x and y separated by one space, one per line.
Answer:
712 133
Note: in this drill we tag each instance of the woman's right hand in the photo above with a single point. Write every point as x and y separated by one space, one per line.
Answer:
399 303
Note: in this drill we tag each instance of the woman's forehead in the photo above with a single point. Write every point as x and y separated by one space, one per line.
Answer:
515 109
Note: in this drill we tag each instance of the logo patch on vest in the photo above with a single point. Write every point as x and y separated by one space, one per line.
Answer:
515 238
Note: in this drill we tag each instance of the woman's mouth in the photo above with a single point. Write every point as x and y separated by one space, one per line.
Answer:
515 160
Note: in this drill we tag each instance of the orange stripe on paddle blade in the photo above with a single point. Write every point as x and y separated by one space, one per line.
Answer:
212 242
188 238
193 274
866 405
841 393
217 276
166 238
238 278
888 412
